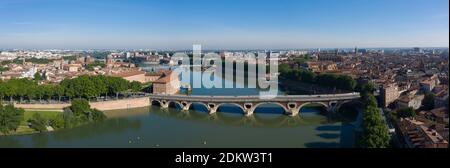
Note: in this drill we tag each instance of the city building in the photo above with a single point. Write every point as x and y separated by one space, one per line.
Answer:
429 83
417 135
439 115
389 93
73 67
330 57
153 76
133 75
321 66
168 83
410 100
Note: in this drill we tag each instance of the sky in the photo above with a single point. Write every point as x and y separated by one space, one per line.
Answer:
222 24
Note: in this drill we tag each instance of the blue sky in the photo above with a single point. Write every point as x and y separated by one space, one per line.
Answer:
223 24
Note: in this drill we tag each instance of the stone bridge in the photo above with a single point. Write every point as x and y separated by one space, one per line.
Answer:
290 103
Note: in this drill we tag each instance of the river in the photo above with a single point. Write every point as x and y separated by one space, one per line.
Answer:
152 127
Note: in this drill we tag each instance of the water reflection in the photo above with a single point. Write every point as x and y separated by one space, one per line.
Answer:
10 142
110 126
259 119
40 140
154 127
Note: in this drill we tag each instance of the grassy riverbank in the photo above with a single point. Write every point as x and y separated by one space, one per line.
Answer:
25 129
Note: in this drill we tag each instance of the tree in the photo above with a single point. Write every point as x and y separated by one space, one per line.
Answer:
117 85
23 87
31 92
48 91
57 122
100 85
38 76
38 123
3 69
345 82
135 86
428 101
10 90
40 92
69 89
97 115
367 89
406 113
2 90
370 101
91 66
375 131
80 112
284 69
86 87
68 118
10 118
301 60
58 91
308 77
80 106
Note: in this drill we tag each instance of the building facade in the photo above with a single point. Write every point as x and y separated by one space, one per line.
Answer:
168 83
389 93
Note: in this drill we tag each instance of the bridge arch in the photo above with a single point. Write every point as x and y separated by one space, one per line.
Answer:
232 104
349 109
155 102
340 104
323 104
175 104
195 104
270 103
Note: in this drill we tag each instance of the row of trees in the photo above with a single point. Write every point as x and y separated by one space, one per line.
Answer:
84 86
3 69
33 60
91 66
375 132
342 82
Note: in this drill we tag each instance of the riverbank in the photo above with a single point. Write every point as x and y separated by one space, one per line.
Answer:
24 129
50 111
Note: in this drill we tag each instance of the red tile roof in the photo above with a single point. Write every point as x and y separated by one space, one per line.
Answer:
128 74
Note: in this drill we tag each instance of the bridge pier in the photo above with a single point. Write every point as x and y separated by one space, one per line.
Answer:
185 106
248 109
164 104
333 106
293 109
212 108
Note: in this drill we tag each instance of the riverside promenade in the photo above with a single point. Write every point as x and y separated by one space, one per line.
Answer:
119 104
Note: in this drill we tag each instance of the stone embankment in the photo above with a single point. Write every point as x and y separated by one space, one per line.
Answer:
103 106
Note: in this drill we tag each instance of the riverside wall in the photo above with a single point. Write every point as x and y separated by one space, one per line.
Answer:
103 106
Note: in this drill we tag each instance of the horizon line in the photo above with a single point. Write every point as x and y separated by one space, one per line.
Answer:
216 49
